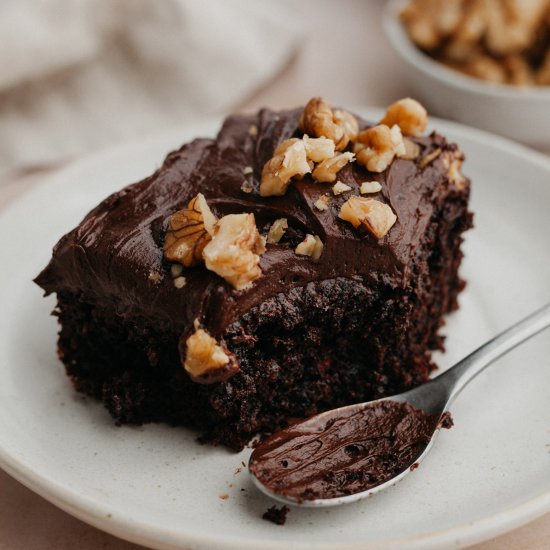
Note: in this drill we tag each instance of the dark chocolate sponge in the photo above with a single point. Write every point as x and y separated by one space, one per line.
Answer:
308 336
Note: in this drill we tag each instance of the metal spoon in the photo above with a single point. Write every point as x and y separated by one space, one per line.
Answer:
434 397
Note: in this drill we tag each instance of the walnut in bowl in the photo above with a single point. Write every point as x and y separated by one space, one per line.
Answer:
520 112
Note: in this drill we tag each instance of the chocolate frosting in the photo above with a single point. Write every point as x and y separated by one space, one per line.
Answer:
344 452
115 256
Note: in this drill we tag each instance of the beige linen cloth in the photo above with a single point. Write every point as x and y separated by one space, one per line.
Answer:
78 75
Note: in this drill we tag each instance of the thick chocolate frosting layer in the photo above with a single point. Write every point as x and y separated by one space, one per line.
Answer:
115 256
343 453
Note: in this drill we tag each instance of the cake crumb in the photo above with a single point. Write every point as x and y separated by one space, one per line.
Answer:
225 496
247 187
155 277
276 515
446 421
238 471
176 270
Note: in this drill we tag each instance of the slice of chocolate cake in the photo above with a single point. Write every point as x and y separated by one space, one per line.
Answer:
300 261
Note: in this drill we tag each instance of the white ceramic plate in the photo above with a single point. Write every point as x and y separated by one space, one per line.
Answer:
154 485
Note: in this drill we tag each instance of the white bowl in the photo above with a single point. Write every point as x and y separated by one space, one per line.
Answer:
520 113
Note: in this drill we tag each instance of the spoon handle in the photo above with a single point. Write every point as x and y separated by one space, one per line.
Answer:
463 372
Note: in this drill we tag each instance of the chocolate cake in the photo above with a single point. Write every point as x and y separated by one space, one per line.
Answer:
299 261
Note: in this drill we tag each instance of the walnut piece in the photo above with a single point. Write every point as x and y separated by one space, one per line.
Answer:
189 232
311 246
409 115
203 354
277 230
326 171
180 282
429 158
428 20
318 149
376 147
453 163
319 120
234 251
340 187
289 160
347 121
376 216
369 187
322 203
412 150
484 67
512 24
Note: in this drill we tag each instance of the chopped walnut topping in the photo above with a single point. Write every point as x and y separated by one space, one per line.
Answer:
429 158
311 246
319 120
322 203
247 170
455 174
189 232
376 147
376 216
253 130
277 230
412 150
318 149
347 121
340 187
369 187
180 282
290 159
409 115
326 171
203 353
453 163
234 251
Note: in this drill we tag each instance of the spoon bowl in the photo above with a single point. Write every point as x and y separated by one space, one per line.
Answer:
353 452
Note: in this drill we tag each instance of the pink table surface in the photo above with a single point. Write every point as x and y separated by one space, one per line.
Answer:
347 30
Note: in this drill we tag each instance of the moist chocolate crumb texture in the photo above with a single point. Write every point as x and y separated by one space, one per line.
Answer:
301 260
